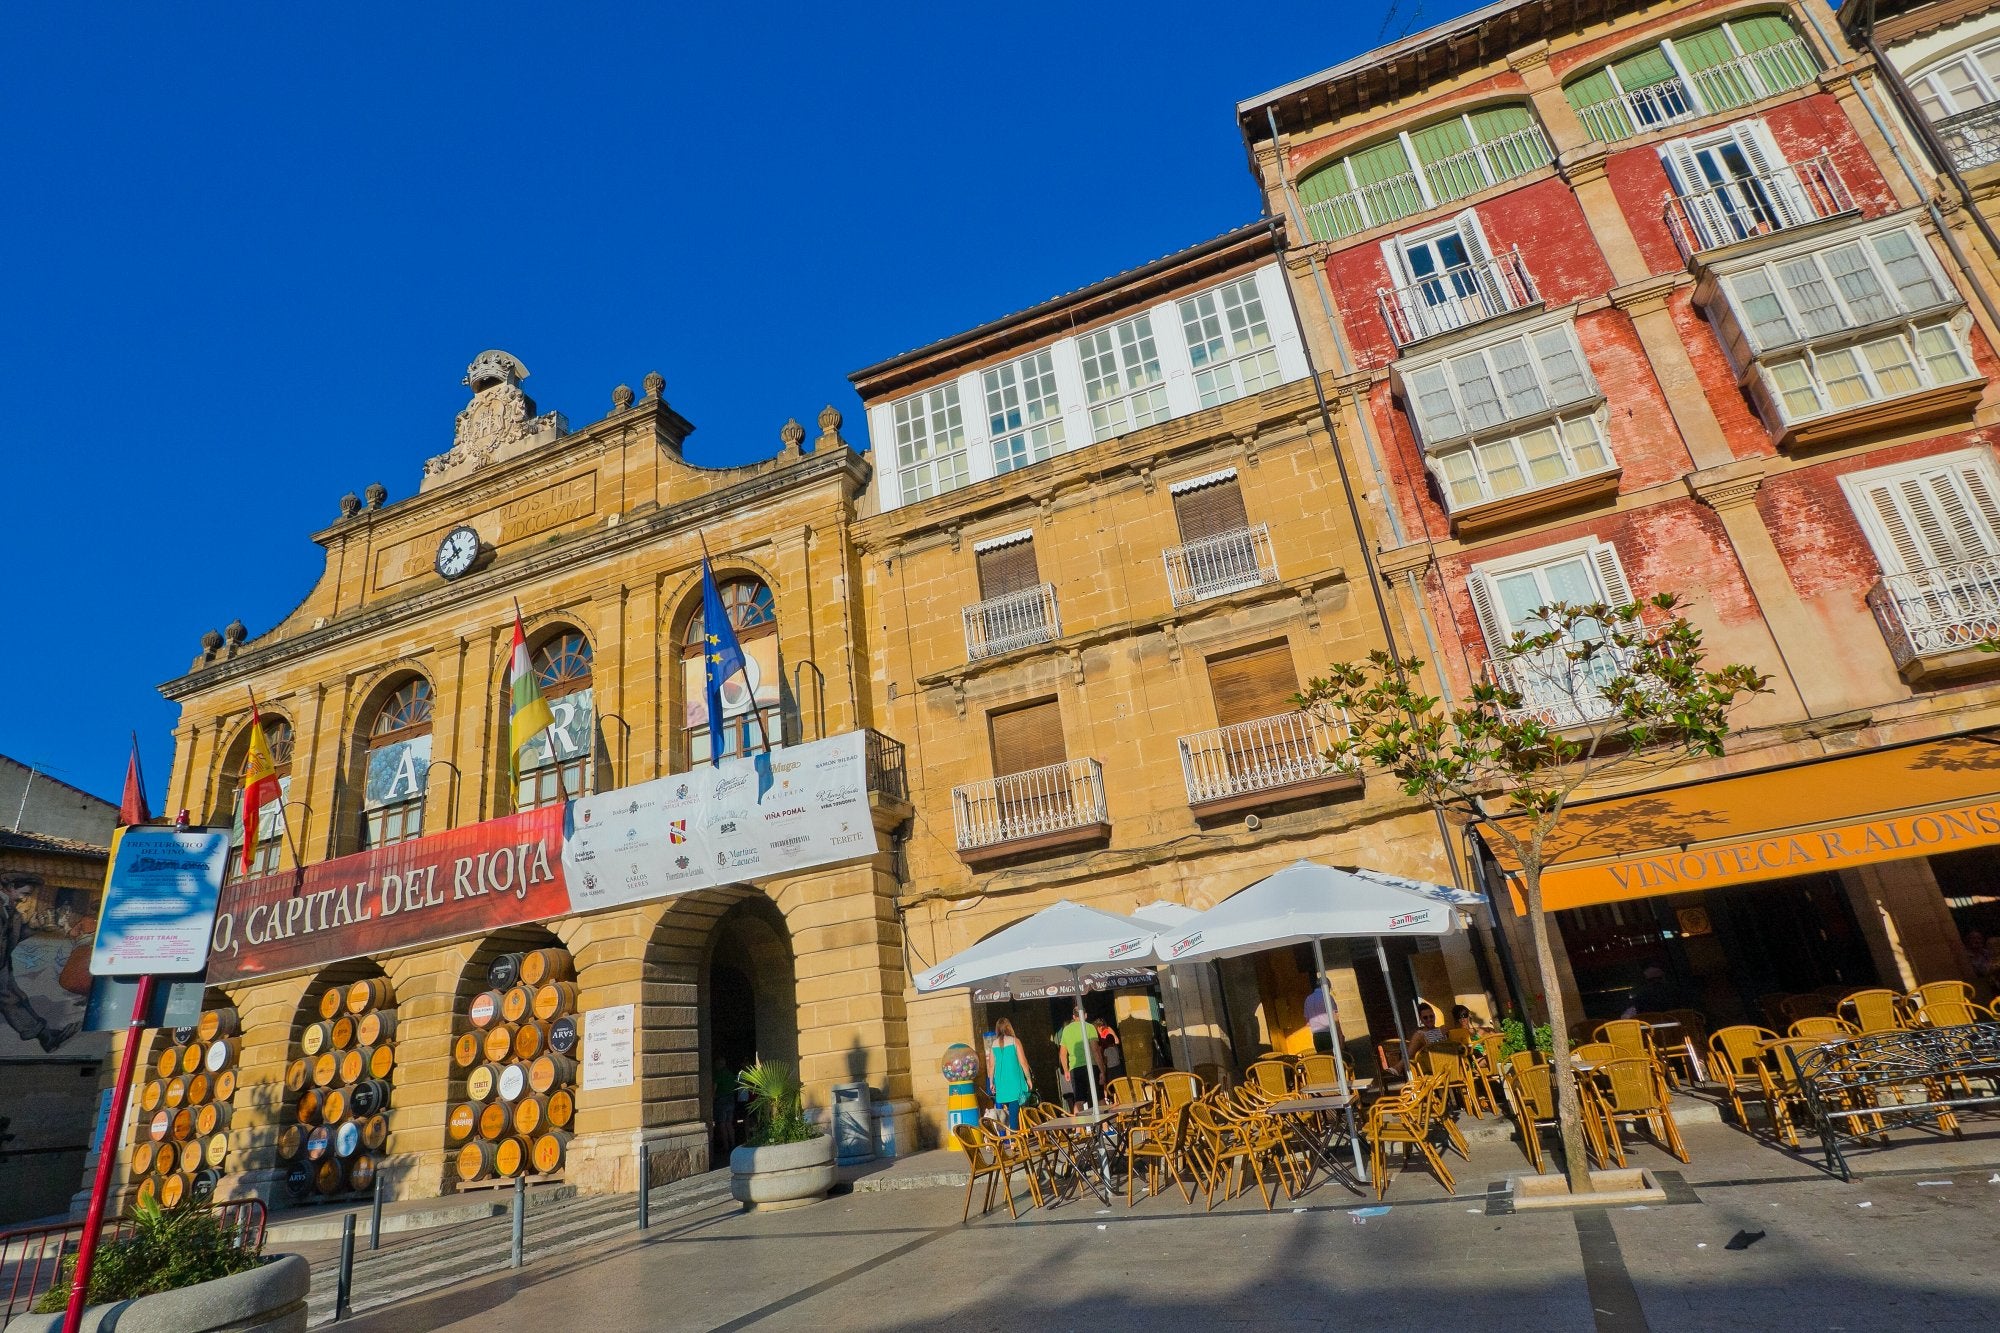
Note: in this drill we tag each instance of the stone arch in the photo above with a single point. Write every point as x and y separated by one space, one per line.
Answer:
228 759
680 605
351 770
539 629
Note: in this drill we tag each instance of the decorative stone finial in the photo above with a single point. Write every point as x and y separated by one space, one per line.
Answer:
794 436
829 429
493 367
211 644
621 398
234 633
654 384
377 494
350 505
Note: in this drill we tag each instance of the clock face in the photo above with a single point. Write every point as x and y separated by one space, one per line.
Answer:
457 551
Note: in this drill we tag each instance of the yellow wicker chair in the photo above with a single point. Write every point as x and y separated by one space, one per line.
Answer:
1633 1088
1159 1141
1271 1080
1874 1010
1228 1151
1822 1029
989 1159
1405 1119
1126 1090
1736 1058
1177 1087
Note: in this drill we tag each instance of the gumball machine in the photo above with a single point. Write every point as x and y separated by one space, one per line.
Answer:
960 1068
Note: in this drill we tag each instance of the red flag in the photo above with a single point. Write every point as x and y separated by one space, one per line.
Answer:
132 807
260 783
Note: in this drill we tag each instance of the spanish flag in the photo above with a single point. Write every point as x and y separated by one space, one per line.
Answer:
260 784
531 715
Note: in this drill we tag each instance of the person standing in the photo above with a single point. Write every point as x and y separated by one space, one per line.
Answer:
1077 1044
1013 1084
1319 1019
1110 1056
17 1008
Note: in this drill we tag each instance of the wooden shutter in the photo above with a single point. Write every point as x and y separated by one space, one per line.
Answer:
1934 518
1025 738
1207 511
1610 575
1254 684
1009 568
1486 606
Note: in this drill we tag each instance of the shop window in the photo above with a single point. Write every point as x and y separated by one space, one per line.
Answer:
1023 412
560 760
398 766
271 819
752 699
1421 169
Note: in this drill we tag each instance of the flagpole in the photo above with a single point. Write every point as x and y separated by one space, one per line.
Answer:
549 733
284 820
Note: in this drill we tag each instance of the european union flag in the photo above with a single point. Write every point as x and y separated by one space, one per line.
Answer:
722 656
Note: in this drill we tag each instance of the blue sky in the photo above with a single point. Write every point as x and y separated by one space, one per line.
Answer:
250 250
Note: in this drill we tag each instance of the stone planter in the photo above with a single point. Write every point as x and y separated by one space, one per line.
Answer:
1611 1188
270 1299
784 1175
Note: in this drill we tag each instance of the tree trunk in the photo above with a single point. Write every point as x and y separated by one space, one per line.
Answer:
1569 1106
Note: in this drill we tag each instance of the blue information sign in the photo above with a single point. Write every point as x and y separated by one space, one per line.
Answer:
159 902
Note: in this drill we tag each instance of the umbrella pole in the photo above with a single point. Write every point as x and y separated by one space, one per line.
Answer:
1339 1057
1180 1017
1395 1009
1090 1075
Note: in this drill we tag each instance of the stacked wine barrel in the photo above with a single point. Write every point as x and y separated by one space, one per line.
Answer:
516 1052
182 1140
339 1079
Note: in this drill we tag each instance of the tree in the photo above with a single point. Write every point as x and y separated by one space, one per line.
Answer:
1591 695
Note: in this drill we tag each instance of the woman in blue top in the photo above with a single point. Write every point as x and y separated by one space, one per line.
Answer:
1009 1065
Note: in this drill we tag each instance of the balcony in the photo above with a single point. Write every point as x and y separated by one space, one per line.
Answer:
1265 762
1724 86
887 775
1972 137
1457 298
1432 185
1015 620
1219 565
1935 620
1637 110
1757 205
1561 692
1042 810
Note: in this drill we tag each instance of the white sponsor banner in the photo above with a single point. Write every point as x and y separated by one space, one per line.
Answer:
607 1047
720 825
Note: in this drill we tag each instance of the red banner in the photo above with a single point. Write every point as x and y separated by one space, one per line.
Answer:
503 872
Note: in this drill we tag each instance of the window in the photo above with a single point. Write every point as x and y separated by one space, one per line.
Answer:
1023 416
1936 514
1028 738
930 443
1210 507
1698 74
1434 165
1220 552
1445 278
1567 448
398 766
1015 608
752 699
1122 381
1965 82
1007 567
562 670
1229 343
1251 685
271 819
1515 379
1733 184
1506 598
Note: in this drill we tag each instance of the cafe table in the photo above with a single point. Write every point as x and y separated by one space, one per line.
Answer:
1103 1121
1322 1105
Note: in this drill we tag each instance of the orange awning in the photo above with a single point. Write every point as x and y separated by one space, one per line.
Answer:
1829 814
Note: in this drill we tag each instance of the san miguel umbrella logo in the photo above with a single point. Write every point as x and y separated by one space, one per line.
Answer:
1409 919
1181 946
1129 946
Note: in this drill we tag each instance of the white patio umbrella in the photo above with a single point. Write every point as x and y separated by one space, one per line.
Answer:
1170 915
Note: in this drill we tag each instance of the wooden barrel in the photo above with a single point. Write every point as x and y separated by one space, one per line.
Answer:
330 1001
142 1157
368 1096
492 1121
475 1160
215 1151
373 993
354 1064
531 1114
291 1142
563 1035
223 1085
465 1051
319 1142
479 1083
340 1033
333 1106
504 971
459 1124
174 1189
346 1139
375 1027
541 966
161 1125
308 1108
546 1154
562 1108
210 1118
510 1156
149 1190
177 1092
515 1002
152 1095
298 1181
182 1036
190 1059
326 1069
329 1177
166 1158
530 1040
198 1089
381 1061
499 1042
201 1185
512 1084
375 1133
168 1062
550 1072
361 1172
183 1126
555 999
216 1024
296 1074
484 1010
314 1039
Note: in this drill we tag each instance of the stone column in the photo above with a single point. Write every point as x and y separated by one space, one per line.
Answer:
417 1158
1908 925
1601 209
1645 303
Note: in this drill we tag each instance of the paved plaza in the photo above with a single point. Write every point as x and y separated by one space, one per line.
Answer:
1750 1239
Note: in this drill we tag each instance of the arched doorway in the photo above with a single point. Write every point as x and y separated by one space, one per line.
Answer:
749 1012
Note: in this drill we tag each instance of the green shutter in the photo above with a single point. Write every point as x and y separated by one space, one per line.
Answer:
1330 210
1514 157
1441 140
1493 122
1648 67
1704 50
1780 60
1386 167
1452 179
1597 105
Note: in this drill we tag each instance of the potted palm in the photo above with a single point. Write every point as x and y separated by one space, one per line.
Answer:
786 1163
179 1271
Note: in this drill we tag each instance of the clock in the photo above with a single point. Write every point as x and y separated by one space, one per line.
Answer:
457 552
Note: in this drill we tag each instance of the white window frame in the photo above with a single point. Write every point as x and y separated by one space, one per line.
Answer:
1708 205
1132 404
924 470
1853 325
1564 426
1248 360
1024 413
1979 539
1922 82
1444 361
1561 692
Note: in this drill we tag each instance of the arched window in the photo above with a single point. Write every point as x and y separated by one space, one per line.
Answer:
1422 169
748 708
271 819
398 767
562 670
1693 75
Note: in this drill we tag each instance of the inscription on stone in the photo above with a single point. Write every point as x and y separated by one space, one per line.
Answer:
552 507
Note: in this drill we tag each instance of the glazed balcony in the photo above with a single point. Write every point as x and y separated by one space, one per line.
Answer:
1768 202
1219 565
1457 298
1934 620
1434 184
1264 762
1559 691
1056 808
1972 137
1723 86
1015 620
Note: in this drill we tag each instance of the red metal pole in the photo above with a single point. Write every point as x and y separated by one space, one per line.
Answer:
107 1156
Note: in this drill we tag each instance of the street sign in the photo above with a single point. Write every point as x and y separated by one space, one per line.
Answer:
159 902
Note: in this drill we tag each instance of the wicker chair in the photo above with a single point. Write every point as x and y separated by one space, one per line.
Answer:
1633 1088
1406 1120
1735 1057
1822 1029
1874 1010
1177 1087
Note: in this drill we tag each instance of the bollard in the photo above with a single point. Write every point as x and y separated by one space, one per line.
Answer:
344 1292
375 1217
520 1220
645 1187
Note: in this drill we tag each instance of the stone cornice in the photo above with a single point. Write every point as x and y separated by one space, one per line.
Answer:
1730 486
1649 294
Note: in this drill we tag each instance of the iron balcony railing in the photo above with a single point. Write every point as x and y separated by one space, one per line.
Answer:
1559 690
1014 620
1261 755
1944 609
1225 563
1467 171
1972 137
1731 83
1069 795
887 775
1756 205
1456 298
1637 110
